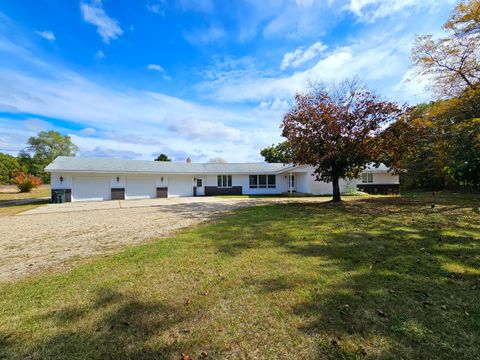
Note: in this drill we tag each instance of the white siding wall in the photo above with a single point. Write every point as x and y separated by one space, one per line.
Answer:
301 182
119 184
385 179
56 184
323 188
161 183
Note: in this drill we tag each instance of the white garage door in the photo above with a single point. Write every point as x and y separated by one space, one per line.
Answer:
90 188
140 188
180 186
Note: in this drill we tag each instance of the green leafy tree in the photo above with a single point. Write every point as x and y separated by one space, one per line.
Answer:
162 157
42 149
9 165
280 153
464 151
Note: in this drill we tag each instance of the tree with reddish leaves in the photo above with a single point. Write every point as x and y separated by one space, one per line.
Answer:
333 129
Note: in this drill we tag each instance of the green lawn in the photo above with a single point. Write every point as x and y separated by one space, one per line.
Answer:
13 202
10 192
377 278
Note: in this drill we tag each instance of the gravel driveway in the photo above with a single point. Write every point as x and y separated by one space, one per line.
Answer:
48 236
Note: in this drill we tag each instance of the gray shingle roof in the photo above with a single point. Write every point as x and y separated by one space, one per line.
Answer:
84 164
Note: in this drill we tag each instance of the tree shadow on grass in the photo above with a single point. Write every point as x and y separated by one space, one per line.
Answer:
395 301
405 288
122 328
400 287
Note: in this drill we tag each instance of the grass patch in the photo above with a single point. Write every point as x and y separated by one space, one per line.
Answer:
13 209
13 202
293 195
383 277
10 192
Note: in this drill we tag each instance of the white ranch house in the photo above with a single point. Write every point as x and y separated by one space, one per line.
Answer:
95 179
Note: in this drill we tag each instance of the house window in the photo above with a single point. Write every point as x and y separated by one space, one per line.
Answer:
367 178
199 183
262 181
224 181
253 180
272 181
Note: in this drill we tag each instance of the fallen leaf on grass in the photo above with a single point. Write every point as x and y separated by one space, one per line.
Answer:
185 357
381 313
361 350
335 343
204 354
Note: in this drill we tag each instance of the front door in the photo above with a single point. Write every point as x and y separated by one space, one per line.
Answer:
291 182
200 187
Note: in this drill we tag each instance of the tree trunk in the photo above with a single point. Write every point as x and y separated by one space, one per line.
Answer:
336 190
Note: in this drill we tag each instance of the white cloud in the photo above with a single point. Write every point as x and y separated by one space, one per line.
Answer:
372 59
300 55
208 131
304 2
159 120
108 28
47 34
155 7
414 88
158 68
13 138
299 20
204 36
155 67
36 125
99 54
370 10
102 151
205 6
87 131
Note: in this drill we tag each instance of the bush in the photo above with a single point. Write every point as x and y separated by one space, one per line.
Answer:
26 182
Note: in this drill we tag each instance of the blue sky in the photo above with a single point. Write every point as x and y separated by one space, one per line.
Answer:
198 78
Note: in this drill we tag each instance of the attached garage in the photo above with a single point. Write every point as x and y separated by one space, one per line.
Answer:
140 188
180 186
89 188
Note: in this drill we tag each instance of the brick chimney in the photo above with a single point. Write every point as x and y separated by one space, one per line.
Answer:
189 160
